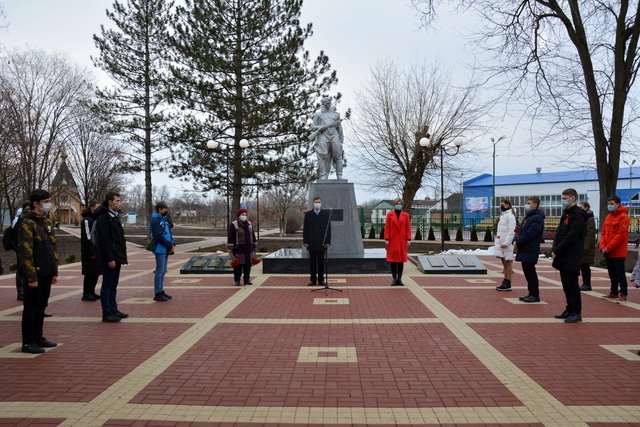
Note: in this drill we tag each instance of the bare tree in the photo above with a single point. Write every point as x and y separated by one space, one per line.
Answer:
134 197
10 189
94 157
283 198
161 194
572 63
41 92
397 108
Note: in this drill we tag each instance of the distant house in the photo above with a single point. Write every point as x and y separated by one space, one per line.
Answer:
65 198
423 212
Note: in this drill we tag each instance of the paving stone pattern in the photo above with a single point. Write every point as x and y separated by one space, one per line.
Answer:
443 350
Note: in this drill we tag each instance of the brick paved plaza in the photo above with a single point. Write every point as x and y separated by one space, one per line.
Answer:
443 350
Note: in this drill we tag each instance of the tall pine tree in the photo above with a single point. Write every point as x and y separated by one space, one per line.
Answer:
241 72
133 54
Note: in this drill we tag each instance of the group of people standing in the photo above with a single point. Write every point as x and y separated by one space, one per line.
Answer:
573 248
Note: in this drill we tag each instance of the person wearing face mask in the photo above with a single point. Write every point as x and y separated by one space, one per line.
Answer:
504 243
38 262
241 244
90 268
112 254
316 238
165 246
397 238
566 251
613 246
589 252
527 245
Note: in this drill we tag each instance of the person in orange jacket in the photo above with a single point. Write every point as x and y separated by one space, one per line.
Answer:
397 238
613 245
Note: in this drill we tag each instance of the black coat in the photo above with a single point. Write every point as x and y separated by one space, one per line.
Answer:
568 243
87 249
313 230
530 236
112 245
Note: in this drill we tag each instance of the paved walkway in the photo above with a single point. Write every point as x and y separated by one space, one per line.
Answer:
443 350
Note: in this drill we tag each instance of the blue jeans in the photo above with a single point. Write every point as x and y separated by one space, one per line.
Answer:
161 269
108 291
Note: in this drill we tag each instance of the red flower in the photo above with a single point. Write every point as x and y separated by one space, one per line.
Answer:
255 261
235 262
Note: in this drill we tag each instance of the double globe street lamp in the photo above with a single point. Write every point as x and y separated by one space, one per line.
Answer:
213 145
426 142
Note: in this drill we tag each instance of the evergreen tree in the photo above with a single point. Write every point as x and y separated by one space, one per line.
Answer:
488 236
459 237
372 232
474 234
362 230
446 235
382 232
418 235
132 53
432 235
241 72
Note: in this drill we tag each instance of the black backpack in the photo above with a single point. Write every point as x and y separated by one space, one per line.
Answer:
10 237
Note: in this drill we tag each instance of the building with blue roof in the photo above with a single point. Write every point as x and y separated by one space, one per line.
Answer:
547 186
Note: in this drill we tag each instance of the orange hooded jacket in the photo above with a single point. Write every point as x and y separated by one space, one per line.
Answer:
615 233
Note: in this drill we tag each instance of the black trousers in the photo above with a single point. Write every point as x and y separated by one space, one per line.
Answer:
35 301
89 283
571 291
243 270
316 266
585 271
396 269
618 278
530 273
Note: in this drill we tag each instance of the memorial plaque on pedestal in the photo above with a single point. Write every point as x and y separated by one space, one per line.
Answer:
450 264
208 264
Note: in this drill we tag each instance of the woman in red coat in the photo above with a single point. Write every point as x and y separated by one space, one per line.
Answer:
397 237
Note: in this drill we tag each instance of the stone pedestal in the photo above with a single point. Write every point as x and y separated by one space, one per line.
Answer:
339 196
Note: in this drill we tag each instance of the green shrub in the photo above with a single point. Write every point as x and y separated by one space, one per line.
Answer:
418 235
474 234
446 235
431 235
70 258
488 237
382 232
372 232
362 230
459 235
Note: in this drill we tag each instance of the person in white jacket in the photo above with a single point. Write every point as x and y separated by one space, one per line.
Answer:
504 242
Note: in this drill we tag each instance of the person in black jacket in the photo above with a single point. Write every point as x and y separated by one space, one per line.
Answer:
112 254
316 237
38 262
90 268
527 245
568 245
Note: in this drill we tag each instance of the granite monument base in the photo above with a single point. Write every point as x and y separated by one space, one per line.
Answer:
208 264
296 261
450 264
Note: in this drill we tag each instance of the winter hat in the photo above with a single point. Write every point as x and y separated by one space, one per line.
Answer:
241 211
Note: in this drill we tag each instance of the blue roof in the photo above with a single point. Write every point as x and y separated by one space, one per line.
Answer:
546 177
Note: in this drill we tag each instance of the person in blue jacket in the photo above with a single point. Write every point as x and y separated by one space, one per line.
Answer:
165 246
527 245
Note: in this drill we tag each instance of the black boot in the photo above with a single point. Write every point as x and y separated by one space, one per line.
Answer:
394 282
506 286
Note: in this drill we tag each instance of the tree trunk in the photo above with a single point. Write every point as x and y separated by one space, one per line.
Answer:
148 197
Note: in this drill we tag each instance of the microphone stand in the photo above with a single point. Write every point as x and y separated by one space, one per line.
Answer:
325 256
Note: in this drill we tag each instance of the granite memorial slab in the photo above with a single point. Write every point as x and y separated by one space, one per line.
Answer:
450 264
208 264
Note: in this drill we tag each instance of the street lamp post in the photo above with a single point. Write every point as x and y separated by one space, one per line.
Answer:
458 142
212 145
493 185
630 164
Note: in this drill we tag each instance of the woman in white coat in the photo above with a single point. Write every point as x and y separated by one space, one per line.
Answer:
504 242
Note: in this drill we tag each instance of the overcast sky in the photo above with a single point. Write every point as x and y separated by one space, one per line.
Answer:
354 34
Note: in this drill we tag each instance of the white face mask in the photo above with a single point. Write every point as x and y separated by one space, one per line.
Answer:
317 206
46 207
243 217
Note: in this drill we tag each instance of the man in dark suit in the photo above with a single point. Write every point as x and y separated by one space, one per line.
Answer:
316 236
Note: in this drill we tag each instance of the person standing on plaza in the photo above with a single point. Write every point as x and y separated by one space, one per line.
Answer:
241 244
397 238
90 267
165 246
20 279
527 246
635 273
589 252
613 246
566 251
504 243
316 238
112 254
38 262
